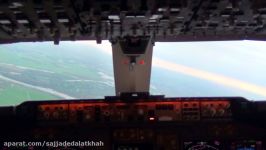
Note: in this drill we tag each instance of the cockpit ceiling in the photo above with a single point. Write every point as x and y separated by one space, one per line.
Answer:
165 20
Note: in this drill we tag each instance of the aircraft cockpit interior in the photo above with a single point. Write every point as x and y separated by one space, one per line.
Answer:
132 75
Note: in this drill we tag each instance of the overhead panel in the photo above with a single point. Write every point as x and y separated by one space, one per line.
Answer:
172 20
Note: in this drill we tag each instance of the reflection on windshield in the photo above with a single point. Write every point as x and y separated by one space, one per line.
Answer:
83 69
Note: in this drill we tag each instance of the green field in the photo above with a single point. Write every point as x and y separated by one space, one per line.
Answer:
13 94
46 60
73 69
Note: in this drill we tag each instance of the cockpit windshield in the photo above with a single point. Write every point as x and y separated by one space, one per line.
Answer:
84 69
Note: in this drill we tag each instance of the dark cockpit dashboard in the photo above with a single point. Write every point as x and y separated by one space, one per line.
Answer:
140 121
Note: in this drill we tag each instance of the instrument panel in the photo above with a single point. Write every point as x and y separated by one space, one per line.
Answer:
171 20
141 123
172 110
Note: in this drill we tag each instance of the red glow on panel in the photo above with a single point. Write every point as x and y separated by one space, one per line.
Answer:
141 62
126 62
151 118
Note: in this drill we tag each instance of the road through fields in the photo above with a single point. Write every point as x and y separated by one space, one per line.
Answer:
42 89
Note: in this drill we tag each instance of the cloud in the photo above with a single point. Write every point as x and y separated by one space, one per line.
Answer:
104 47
